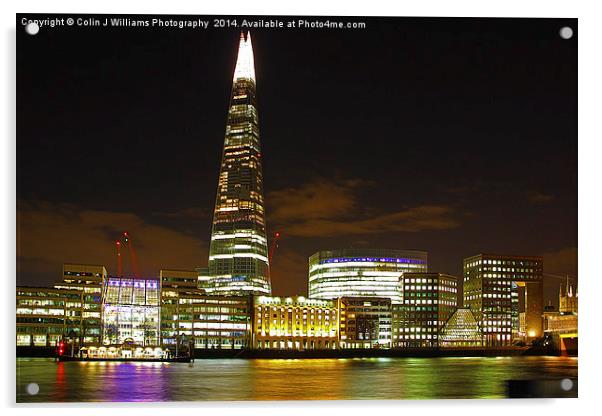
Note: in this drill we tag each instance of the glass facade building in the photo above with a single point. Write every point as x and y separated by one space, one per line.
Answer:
131 311
461 330
362 272
494 288
238 253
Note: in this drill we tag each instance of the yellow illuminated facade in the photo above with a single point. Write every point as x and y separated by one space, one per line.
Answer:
294 323
238 253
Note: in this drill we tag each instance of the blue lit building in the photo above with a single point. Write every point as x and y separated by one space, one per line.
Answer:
362 272
131 311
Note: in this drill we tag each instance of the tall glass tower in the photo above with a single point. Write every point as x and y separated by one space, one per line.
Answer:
238 254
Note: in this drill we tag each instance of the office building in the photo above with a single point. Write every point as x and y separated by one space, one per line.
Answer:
89 279
191 317
45 316
489 281
238 253
364 322
131 311
362 272
429 300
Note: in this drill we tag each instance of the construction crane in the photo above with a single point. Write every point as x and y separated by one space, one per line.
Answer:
119 263
125 237
558 276
274 246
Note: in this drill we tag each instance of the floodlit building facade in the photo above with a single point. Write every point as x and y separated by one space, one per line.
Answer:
238 253
461 330
565 319
294 323
429 300
489 281
131 311
362 272
364 322
568 299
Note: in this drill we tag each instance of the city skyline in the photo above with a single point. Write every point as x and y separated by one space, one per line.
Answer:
319 205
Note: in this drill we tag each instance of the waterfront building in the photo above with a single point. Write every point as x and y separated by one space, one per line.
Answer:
238 252
189 316
429 300
131 311
89 279
362 272
364 322
568 299
45 316
489 281
564 321
294 323
174 285
556 322
461 330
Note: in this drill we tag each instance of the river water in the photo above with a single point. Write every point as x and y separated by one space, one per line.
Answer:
277 379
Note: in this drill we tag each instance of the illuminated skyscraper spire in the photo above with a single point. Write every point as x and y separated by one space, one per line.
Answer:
238 254
245 65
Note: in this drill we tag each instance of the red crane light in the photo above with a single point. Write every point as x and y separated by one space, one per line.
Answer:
125 237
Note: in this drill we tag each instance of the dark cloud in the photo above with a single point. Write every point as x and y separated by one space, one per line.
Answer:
50 234
318 199
561 262
539 197
187 213
289 272
325 208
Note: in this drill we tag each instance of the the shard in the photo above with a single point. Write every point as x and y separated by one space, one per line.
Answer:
238 254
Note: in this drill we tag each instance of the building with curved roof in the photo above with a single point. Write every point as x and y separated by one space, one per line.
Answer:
362 272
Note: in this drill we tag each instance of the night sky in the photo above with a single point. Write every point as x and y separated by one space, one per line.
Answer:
454 136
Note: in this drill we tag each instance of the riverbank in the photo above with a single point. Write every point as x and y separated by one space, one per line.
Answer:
348 353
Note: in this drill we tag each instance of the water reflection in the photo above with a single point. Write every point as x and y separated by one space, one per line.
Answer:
295 379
